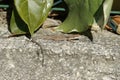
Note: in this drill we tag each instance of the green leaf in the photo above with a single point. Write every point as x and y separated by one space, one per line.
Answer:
33 12
107 5
82 14
103 13
17 25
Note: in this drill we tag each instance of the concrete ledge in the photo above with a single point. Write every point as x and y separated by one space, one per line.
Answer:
21 59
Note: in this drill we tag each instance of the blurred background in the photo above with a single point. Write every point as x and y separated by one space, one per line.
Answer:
116 5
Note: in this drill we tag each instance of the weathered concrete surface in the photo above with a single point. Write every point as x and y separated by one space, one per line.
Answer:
21 59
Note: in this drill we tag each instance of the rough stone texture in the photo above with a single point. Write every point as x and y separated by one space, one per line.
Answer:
21 59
